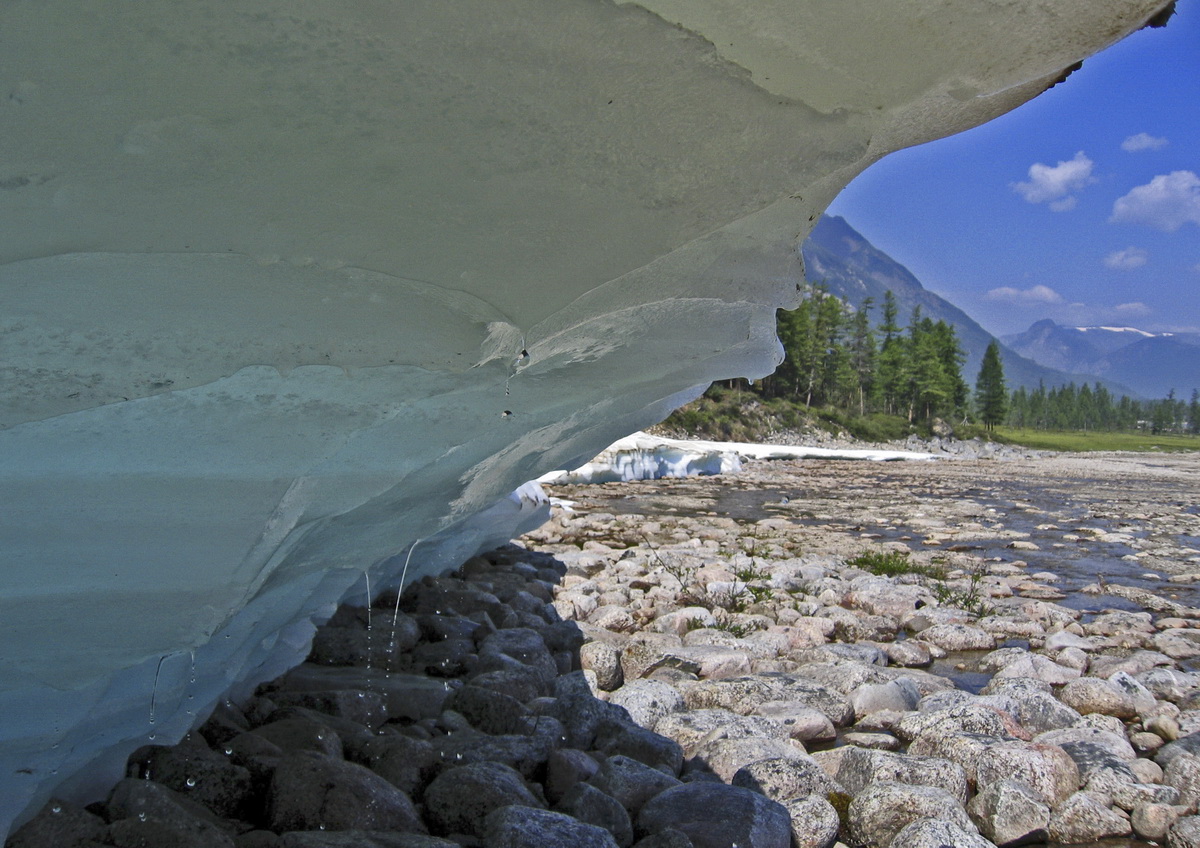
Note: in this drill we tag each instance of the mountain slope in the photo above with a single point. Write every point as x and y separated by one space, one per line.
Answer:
854 269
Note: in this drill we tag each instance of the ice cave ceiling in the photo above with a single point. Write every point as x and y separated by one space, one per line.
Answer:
286 287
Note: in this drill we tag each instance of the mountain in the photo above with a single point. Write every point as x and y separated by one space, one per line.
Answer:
853 269
1154 362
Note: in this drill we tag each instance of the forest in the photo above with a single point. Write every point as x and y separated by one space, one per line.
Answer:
837 359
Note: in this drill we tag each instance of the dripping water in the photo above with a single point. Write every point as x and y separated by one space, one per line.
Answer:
396 612
154 692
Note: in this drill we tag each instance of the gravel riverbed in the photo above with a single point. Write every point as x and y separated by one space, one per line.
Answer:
700 663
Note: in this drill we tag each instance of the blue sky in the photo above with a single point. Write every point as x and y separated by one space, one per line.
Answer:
1082 206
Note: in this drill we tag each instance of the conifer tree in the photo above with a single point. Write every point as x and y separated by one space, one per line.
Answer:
990 393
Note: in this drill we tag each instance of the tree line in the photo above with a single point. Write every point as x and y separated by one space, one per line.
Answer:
835 356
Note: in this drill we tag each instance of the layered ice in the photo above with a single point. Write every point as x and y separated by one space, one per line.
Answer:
290 292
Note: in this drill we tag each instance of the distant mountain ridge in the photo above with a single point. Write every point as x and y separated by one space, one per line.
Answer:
1154 362
853 269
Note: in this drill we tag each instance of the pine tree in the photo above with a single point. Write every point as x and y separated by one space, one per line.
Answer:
990 393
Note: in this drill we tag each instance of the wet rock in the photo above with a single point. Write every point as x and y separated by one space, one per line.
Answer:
61 825
193 769
1008 812
521 827
591 806
357 839
402 761
910 653
714 815
459 799
406 696
581 712
669 838
487 710
1084 818
309 791
145 813
882 810
632 783
621 737
565 768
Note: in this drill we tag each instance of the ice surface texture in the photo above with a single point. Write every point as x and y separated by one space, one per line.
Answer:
285 287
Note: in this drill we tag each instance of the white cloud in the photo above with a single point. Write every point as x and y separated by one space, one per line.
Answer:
1036 294
1057 185
1167 202
1127 259
1143 141
1136 308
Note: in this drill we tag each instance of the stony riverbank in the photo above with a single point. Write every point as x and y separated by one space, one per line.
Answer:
662 674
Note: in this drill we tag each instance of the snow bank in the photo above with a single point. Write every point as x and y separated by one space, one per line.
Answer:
644 457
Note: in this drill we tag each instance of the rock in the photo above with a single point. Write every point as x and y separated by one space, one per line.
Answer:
680 621
958 637
859 767
1112 743
145 813
910 653
1083 818
899 695
934 833
967 718
785 778
605 661
487 710
1178 644
523 827
580 712
872 740
669 838
1093 695
882 810
1010 813
1185 833
1183 774
632 783
194 770
309 791
301 734
647 700
402 761
803 723
60 824
815 822
725 756
620 737
354 839
717 816
591 806
459 799
1153 821
884 597
565 768
692 728
1040 668
962 748
1046 769
1037 709
357 705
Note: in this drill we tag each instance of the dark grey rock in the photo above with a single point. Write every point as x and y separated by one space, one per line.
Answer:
588 804
714 815
631 782
785 778
459 799
402 761
145 813
361 839
488 710
523 827
301 734
627 738
360 706
194 770
59 824
565 768
310 792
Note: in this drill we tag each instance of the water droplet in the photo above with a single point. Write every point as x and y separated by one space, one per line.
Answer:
229 752
321 826
191 782
141 816
458 756
57 808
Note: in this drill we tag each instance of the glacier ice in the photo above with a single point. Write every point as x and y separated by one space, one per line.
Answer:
287 288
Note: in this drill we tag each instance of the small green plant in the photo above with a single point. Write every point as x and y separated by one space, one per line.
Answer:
972 599
892 564
734 628
751 572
